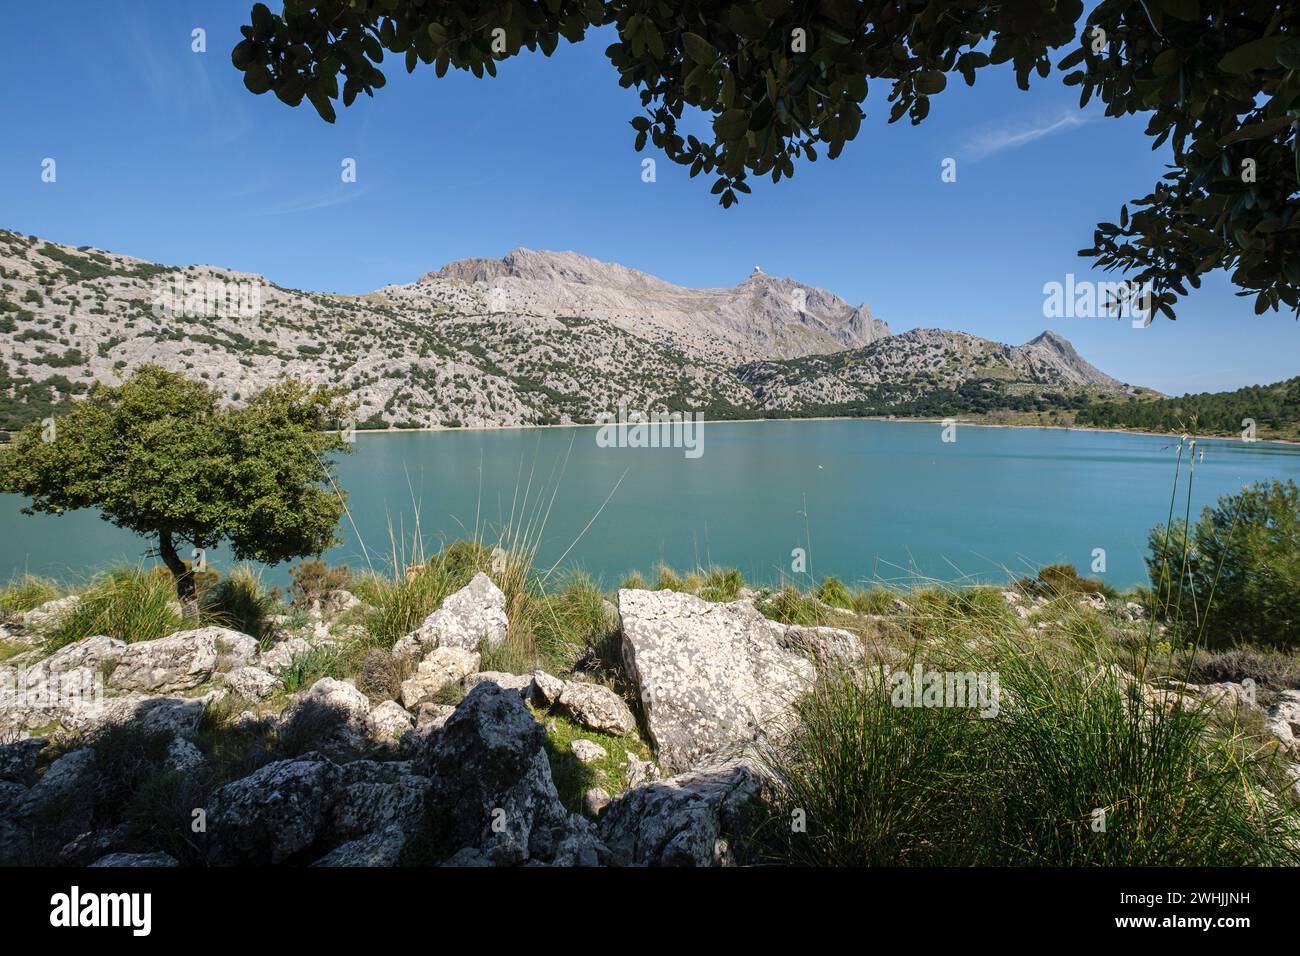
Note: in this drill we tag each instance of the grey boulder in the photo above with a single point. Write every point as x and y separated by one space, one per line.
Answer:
179 661
474 615
713 677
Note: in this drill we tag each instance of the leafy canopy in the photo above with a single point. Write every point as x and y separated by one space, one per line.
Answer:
1235 576
784 80
158 455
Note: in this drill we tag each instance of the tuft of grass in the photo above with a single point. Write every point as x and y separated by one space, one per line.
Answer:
790 606
880 784
27 592
9 649
634 582
873 601
130 604
310 666
240 602
573 625
666 579
400 604
833 592
721 585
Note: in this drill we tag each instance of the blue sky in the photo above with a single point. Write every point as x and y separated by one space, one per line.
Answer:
163 154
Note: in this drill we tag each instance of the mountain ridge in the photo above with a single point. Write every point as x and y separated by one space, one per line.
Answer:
532 338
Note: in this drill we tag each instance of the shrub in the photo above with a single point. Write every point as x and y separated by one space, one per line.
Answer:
313 578
377 676
1235 577
1057 580
130 604
1278 670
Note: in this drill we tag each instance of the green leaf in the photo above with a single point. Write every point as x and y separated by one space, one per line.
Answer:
1256 55
1288 53
1167 63
257 79
698 48
931 82
731 125
1182 9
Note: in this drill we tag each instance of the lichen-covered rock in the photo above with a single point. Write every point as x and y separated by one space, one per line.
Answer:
588 751
639 771
251 682
383 848
179 716
373 796
521 684
440 667
687 820
1283 720
272 815
546 689
136 859
278 658
390 721
183 756
595 800
91 652
67 778
597 708
18 760
594 706
51 612
714 676
331 604
493 781
176 662
234 648
332 717
473 615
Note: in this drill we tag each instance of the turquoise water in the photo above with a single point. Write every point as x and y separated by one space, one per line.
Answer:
865 500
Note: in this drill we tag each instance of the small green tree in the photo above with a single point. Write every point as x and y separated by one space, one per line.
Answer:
158 455
1239 577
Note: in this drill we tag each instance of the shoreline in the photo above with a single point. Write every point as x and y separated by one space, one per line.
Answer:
846 418
1287 442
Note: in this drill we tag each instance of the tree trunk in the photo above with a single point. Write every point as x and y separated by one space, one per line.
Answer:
186 589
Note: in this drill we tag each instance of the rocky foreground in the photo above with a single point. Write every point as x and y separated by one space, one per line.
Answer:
375 781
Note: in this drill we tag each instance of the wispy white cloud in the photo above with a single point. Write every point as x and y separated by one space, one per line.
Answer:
340 194
990 140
